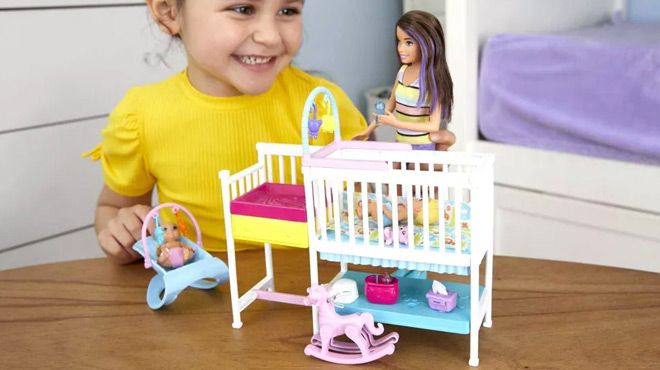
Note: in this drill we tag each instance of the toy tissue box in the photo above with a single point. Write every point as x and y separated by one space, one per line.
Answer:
440 298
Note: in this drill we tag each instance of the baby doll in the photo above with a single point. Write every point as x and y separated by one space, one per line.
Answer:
173 253
402 211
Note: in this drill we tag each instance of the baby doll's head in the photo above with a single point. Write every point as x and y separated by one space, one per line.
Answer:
233 48
435 82
170 232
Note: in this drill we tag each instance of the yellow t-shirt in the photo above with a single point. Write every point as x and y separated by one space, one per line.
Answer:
171 135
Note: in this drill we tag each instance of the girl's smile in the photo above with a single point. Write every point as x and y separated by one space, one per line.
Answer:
234 47
256 63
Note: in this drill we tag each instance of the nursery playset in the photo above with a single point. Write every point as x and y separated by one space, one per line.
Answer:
322 214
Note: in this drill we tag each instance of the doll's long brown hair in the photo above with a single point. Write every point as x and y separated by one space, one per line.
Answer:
435 84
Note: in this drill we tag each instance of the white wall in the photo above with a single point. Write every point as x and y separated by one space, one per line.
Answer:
65 66
63 71
538 16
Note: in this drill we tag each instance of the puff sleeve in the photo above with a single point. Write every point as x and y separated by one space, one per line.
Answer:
121 152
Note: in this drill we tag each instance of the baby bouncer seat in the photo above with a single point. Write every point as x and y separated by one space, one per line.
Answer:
203 271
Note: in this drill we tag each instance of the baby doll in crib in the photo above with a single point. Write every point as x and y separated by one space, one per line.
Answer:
402 215
173 253
402 211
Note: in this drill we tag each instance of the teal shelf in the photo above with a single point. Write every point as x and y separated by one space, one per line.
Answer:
412 309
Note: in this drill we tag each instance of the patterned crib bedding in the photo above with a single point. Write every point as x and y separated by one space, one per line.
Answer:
417 237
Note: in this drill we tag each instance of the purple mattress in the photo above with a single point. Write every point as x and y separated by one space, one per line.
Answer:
594 91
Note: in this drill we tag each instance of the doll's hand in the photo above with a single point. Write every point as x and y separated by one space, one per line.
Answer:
364 135
122 232
387 119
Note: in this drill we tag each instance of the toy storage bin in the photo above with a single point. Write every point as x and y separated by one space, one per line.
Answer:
381 293
271 213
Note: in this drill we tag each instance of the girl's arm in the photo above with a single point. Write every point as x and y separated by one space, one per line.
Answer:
391 104
118 223
432 125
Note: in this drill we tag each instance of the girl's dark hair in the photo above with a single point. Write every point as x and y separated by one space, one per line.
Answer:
435 82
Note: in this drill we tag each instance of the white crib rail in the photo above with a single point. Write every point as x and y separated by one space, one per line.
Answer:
454 182
266 152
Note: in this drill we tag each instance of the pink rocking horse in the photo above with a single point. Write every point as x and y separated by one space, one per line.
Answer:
358 327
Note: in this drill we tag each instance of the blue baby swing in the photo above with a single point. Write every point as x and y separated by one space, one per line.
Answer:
203 271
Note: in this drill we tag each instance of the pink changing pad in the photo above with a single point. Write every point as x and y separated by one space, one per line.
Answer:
270 200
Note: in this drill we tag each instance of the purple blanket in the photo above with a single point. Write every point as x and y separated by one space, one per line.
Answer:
594 91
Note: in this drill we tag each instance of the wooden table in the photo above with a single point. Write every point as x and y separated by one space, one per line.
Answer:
92 315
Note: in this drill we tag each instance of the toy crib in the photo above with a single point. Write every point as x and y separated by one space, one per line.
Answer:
453 235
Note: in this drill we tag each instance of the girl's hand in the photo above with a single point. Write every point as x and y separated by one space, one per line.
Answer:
122 231
388 118
443 139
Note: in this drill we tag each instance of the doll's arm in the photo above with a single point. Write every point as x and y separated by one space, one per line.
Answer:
364 135
391 104
432 125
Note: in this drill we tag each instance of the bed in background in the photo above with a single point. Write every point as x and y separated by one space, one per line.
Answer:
551 204
593 91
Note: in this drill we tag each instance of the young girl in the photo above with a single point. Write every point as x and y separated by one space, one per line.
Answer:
422 95
238 89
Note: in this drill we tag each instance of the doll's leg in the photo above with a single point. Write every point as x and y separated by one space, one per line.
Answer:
164 258
188 253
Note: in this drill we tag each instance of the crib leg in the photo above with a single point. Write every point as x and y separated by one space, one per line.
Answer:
314 279
233 282
488 322
268 252
475 314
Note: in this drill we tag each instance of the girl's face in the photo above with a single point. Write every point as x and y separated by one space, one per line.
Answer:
407 48
238 47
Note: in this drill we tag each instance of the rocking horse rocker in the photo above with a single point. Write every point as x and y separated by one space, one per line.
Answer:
358 327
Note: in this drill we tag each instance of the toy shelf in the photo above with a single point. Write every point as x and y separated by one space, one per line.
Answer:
411 308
